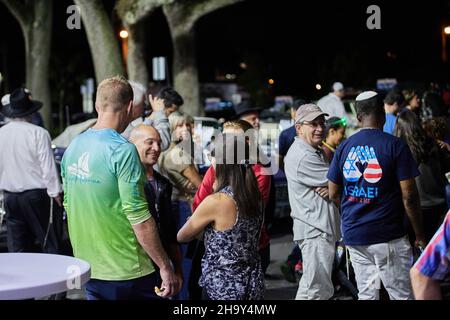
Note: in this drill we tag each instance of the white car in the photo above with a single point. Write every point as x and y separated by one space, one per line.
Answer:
204 129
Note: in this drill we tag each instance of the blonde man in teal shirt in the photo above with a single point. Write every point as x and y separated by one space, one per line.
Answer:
109 223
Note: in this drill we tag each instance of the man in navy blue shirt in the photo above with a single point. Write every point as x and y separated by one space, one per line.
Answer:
372 176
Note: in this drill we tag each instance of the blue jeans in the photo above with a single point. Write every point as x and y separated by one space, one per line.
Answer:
135 289
183 211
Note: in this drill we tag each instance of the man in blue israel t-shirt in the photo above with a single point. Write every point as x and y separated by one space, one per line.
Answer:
372 176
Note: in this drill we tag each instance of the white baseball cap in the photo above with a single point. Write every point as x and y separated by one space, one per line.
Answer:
338 86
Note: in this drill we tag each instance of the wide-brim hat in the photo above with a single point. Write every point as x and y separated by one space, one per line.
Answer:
20 104
244 107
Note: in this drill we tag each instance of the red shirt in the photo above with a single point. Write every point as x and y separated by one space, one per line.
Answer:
206 188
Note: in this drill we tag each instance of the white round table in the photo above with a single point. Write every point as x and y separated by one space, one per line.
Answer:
34 275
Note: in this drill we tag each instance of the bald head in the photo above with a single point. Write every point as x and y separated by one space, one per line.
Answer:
141 131
148 143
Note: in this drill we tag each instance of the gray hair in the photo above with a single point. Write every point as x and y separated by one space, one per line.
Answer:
139 92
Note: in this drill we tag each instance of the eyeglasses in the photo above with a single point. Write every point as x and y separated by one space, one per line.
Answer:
314 124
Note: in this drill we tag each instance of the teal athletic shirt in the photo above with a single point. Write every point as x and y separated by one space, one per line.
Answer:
104 196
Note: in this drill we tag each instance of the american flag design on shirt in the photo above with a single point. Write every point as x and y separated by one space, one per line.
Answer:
362 161
435 260
373 173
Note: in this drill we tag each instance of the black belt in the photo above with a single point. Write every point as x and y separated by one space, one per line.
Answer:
30 190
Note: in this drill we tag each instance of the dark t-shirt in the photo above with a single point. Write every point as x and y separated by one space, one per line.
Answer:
286 139
369 166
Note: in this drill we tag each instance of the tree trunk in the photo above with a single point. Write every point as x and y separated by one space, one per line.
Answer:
102 39
35 20
5 68
133 15
181 17
185 72
137 58
184 64
38 47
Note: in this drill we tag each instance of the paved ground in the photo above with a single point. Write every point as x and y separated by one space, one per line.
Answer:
281 244
277 288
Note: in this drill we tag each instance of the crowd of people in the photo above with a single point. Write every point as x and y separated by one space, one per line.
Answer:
152 226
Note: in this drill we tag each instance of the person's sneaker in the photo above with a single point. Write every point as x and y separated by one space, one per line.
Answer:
288 272
299 267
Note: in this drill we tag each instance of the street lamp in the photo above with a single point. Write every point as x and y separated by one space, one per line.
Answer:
123 34
445 32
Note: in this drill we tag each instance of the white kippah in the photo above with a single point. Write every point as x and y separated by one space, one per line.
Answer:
5 99
366 95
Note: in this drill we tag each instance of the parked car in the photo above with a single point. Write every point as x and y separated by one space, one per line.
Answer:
352 121
204 129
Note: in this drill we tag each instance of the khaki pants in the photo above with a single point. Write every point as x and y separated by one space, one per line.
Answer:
318 255
389 262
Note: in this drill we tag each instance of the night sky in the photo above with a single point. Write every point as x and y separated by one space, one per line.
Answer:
297 43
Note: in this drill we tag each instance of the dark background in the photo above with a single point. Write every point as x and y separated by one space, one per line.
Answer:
296 43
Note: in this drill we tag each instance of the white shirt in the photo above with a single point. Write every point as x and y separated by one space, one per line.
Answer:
332 105
26 159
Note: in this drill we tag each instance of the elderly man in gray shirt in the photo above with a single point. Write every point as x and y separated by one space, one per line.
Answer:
158 119
316 218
